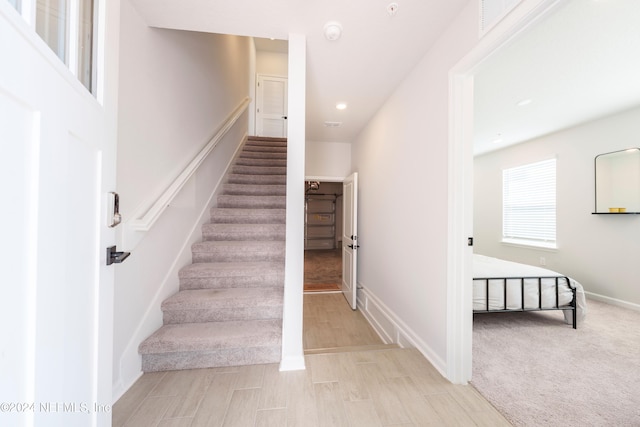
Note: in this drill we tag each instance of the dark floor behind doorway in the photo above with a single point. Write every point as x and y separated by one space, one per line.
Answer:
322 270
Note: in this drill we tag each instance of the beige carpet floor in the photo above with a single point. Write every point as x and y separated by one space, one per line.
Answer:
538 371
322 269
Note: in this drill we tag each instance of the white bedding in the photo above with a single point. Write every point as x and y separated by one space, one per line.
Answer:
487 267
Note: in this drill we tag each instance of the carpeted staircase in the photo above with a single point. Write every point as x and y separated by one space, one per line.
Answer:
229 308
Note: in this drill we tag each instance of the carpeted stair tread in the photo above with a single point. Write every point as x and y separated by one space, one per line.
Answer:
210 336
209 251
248 161
251 201
253 189
221 275
221 305
262 155
257 179
202 345
229 269
259 170
248 216
243 231
264 148
265 140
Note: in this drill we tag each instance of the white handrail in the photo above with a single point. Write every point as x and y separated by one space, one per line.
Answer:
158 207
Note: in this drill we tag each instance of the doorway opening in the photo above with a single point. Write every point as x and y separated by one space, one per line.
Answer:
323 236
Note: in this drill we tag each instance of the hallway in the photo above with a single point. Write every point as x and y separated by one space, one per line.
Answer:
330 325
351 379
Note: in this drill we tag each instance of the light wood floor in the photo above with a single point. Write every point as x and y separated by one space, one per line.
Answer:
330 324
365 385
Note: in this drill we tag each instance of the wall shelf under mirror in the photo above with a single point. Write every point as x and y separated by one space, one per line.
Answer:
617 183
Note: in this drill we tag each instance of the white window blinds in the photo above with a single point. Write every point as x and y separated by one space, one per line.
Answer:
529 204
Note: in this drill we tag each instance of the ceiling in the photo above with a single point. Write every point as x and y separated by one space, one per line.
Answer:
362 68
581 63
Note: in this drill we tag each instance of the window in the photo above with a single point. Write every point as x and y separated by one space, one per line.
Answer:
16 4
67 27
529 204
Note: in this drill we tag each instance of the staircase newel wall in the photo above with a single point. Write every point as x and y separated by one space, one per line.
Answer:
292 345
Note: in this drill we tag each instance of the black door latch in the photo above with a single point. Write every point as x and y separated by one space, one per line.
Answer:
114 257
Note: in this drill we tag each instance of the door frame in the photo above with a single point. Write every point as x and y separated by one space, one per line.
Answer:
460 180
323 179
260 97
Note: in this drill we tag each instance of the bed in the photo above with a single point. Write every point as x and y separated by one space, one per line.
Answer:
505 286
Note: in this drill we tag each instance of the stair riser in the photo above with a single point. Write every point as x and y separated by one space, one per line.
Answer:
252 202
202 359
244 161
238 256
254 190
214 314
255 148
256 155
258 170
226 216
262 140
257 179
211 235
231 282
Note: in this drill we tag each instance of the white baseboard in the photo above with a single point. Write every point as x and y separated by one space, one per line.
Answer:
392 330
612 301
119 388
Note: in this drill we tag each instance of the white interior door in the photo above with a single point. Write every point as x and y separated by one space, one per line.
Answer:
56 311
350 239
271 106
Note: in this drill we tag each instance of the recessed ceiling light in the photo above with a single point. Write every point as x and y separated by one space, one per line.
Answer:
524 102
341 106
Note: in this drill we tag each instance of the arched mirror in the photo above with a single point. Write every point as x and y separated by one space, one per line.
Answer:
618 182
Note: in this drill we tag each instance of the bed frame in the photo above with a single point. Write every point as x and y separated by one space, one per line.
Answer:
558 282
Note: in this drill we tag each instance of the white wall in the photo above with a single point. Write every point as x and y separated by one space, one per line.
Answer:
176 89
401 157
272 63
600 251
327 159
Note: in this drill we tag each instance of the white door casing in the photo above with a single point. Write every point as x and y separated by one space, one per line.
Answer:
350 239
57 164
271 106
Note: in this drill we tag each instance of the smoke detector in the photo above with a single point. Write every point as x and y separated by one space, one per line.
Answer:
332 30
392 9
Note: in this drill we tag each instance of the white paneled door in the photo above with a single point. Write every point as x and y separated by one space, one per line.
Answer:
56 165
350 239
271 110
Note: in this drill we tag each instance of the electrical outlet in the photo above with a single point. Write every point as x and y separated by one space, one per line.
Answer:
543 261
